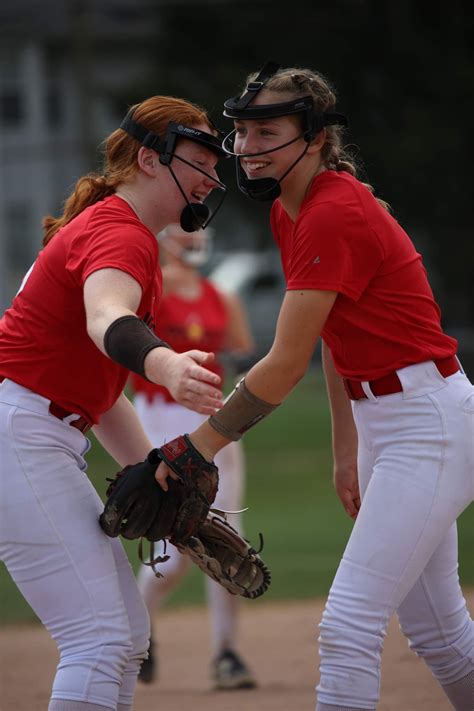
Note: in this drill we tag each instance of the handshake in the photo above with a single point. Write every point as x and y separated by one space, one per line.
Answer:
137 508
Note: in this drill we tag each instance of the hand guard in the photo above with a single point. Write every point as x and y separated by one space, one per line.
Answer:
138 507
220 552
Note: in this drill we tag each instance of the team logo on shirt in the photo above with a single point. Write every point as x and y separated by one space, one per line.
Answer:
194 328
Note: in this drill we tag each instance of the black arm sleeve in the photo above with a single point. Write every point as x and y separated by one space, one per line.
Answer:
128 340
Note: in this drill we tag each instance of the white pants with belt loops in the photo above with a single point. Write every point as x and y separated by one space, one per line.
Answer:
77 580
416 474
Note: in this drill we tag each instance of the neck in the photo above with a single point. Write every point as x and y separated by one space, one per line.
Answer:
141 207
293 192
182 280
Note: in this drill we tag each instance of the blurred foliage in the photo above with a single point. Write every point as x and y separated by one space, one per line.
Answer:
290 498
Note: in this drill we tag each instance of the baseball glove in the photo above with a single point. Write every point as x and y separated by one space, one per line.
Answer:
221 552
137 507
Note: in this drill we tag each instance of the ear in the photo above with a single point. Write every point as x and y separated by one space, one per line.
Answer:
147 161
318 142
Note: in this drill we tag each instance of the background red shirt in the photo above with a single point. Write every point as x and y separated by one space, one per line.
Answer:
385 316
201 323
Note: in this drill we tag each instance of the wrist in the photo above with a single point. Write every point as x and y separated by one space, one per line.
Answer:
128 340
207 441
157 365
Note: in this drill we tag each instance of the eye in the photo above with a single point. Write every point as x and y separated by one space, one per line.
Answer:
240 131
266 132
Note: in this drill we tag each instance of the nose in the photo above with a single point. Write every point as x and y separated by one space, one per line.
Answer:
211 179
245 144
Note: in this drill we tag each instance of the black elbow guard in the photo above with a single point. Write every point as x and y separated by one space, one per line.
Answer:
128 340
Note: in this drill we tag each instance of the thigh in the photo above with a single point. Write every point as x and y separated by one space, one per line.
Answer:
417 485
50 540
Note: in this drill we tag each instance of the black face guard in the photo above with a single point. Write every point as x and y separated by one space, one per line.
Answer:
239 108
195 216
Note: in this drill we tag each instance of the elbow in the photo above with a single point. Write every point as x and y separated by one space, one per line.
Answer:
95 331
289 370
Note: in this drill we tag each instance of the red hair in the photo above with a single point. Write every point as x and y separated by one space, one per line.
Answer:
120 159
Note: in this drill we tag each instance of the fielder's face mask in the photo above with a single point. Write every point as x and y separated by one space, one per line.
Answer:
239 107
195 253
194 215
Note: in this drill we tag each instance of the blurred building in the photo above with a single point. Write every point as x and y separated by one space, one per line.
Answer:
64 67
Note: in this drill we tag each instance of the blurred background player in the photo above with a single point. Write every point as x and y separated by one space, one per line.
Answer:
194 314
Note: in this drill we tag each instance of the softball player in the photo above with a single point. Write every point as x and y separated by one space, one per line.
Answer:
402 408
193 314
67 344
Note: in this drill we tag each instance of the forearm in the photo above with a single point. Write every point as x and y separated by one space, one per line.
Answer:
270 380
274 376
121 434
344 433
119 338
267 384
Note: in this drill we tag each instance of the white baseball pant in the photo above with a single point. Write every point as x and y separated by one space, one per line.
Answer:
416 471
77 580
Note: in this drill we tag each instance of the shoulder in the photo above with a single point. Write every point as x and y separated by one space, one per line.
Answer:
336 201
334 187
112 226
213 292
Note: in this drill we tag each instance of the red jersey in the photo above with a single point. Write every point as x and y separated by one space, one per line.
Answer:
201 323
385 316
44 344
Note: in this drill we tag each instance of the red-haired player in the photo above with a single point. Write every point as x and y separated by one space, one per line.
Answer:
75 330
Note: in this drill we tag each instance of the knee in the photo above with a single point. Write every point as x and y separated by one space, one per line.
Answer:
105 653
349 633
448 654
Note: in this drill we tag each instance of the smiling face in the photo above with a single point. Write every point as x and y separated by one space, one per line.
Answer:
259 136
195 184
156 191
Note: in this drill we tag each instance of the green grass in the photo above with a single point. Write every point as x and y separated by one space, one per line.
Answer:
291 501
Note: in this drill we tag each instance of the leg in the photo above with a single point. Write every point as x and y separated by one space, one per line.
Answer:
435 619
228 669
421 481
60 559
224 607
162 422
154 592
139 622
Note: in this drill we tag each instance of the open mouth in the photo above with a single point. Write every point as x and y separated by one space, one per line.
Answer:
255 167
198 196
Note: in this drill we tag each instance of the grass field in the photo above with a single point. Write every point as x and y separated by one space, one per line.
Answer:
291 500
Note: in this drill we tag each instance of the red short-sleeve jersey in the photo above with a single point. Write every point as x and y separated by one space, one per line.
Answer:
385 316
44 344
200 323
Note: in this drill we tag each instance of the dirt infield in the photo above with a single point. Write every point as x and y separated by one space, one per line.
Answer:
277 639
